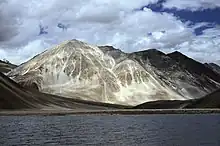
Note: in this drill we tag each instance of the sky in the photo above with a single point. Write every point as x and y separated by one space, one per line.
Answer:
192 27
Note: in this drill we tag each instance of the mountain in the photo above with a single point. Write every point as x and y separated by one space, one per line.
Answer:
14 96
185 76
77 70
164 104
6 66
203 74
213 66
211 100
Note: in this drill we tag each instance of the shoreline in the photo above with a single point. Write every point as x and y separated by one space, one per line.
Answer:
107 112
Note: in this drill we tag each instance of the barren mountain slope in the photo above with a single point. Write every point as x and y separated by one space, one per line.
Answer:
75 69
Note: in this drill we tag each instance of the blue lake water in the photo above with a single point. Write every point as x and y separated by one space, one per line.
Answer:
146 130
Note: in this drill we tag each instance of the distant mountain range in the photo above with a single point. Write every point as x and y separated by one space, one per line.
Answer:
75 71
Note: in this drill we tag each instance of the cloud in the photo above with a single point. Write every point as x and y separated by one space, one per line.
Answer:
100 22
204 48
192 4
7 23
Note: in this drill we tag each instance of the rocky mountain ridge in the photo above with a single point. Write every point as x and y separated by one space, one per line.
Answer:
78 70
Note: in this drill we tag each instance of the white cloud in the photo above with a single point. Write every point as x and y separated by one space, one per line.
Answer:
192 4
204 48
98 22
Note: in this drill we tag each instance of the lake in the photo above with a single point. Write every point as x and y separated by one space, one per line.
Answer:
146 130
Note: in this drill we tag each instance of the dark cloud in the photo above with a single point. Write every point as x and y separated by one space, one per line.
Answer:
7 24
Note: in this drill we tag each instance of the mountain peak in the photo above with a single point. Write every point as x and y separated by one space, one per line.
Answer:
78 70
177 55
72 42
193 66
75 69
152 50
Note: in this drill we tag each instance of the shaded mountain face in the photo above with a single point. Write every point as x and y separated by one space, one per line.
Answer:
6 66
77 70
211 100
194 67
184 75
213 66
